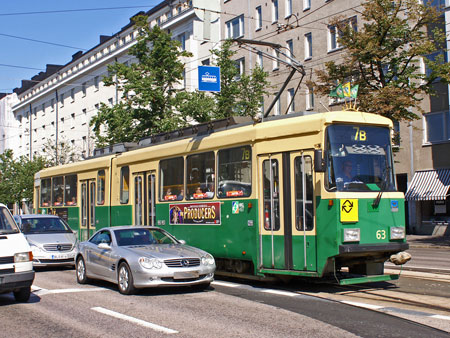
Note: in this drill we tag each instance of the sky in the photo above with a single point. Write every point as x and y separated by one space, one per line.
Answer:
21 59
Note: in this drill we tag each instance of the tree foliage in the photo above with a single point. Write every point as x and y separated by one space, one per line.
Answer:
241 94
152 98
149 97
383 57
17 177
62 154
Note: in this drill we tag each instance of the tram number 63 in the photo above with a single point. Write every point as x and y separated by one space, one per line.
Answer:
381 234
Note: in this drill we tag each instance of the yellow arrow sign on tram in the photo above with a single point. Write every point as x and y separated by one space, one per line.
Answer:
349 210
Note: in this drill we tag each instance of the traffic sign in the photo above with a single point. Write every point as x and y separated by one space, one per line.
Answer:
349 210
209 79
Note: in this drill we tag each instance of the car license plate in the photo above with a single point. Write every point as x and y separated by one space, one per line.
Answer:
185 275
62 256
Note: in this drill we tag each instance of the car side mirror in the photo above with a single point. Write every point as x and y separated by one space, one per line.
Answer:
182 241
104 246
319 161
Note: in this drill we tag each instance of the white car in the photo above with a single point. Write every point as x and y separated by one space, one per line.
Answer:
50 238
16 267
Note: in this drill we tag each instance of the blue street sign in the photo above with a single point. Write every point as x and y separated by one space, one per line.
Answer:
209 79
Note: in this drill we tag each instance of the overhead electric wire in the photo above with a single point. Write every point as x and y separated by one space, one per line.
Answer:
73 10
40 41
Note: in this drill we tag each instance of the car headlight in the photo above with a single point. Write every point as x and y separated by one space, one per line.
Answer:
351 235
150 263
397 233
23 257
207 260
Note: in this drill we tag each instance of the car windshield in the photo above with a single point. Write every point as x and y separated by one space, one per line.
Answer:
7 224
141 236
42 225
359 158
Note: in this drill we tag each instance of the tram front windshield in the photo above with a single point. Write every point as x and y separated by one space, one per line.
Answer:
359 158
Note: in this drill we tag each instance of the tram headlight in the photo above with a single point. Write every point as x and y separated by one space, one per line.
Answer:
351 235
397 233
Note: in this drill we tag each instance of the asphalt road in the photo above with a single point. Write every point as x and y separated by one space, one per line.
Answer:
60 307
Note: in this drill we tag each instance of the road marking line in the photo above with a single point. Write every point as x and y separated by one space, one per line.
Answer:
230 285
279 292
134 320
40 291
441 317
364 305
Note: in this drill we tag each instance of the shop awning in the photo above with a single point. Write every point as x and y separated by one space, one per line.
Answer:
429 185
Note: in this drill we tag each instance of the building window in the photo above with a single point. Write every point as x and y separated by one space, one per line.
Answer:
274 10
83 89
277 107
182 39
308 46
288 8
437 127
43 109
96 83
72 94
110 101
334 33
240 65
258 18
290 48
306 4
290 97
276 61
206 62
84 117
72 121
309 98
235 27
260 60
52 104
62 100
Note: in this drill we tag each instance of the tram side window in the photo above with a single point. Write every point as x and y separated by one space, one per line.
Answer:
46 192
271 188
124 185
70 191
234 172
58 190
101 177
200 176
171 179
309 206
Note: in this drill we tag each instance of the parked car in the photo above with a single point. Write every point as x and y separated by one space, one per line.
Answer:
16 267
139 257
50 238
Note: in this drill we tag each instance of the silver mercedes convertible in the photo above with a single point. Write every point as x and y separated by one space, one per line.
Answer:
140 257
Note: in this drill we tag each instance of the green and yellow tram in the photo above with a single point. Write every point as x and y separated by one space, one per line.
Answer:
297 195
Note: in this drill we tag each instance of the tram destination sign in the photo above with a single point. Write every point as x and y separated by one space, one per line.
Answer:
194 213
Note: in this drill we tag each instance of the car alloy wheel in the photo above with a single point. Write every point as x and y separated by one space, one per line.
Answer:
125 280
81 271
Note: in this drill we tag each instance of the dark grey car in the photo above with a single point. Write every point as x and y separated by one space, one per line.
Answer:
50 237
139 257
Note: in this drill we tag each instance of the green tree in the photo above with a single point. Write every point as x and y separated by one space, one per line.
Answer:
17 177
63 154
383 57
240 94
149 97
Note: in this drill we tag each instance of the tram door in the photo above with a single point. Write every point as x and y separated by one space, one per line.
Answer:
87 208
144 198
286 217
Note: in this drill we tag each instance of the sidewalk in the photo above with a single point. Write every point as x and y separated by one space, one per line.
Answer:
421 241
